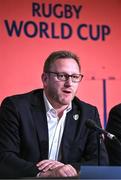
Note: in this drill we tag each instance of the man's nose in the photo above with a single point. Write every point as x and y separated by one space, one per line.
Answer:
68 82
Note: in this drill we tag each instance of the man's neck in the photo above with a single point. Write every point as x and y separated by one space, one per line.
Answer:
58 107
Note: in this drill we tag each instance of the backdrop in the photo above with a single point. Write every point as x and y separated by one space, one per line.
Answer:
31 29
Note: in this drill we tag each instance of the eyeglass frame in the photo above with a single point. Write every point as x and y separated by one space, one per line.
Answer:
66 76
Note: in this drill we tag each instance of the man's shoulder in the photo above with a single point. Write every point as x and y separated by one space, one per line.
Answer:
116 108
79 102
83 105
23 96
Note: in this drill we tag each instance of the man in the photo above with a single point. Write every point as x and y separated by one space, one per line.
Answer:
114 127
43 132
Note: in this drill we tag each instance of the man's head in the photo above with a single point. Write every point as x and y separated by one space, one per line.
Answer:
61 77
59 55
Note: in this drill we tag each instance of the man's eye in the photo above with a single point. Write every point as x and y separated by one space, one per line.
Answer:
61 75
75 77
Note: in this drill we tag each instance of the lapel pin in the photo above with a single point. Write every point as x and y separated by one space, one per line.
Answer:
76 117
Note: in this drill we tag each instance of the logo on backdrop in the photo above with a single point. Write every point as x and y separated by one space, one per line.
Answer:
56 24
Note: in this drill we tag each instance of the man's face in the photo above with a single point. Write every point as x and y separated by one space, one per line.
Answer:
60 93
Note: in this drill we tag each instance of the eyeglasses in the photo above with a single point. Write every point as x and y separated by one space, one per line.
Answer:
64 77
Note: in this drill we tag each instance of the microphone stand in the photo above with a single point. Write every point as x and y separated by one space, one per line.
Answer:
98 147
92 125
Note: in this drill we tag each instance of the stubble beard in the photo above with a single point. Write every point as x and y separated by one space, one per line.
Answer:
64 100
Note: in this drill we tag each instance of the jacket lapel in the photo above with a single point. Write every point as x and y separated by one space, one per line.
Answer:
39 117
70 129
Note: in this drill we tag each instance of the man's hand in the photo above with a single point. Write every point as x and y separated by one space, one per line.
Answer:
46 165
51 168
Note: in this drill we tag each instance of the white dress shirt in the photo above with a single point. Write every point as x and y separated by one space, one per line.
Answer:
55 128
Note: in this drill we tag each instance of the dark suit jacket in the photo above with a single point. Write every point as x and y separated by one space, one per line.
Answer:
114 127
24 135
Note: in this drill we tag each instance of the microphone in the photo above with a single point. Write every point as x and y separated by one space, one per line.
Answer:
92 125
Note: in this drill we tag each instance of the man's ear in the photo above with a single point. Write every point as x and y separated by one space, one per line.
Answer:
44 78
